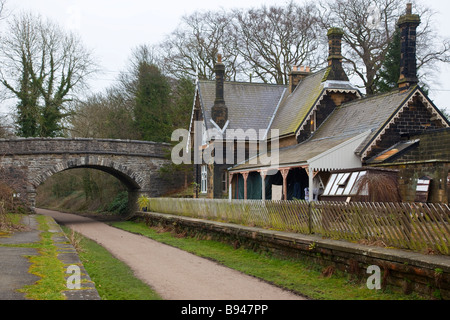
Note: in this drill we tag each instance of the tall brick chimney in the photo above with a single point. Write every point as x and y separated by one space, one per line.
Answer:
408 65
336 71
219 112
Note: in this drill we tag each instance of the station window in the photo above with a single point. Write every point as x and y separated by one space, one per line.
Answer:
204 182
224 181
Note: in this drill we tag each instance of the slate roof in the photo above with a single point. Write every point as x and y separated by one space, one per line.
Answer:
346 122
364 114
296 107
250 105
258 105
295 155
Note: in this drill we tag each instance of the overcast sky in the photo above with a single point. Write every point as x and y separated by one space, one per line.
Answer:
112 28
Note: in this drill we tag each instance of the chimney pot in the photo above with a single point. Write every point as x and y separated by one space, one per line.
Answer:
297 74
409 8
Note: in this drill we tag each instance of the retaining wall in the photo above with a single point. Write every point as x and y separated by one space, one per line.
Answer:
401 270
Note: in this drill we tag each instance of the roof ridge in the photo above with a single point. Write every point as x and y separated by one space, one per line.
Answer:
247 83
376 96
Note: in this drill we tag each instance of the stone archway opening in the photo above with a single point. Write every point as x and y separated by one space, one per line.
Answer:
136 164
87 189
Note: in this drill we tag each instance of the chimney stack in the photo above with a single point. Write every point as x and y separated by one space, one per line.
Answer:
297 74
219 112
408 24
336 71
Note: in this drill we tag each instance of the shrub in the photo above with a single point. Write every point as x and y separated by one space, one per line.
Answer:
119 204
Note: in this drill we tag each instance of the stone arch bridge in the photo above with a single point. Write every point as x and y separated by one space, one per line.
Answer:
135 163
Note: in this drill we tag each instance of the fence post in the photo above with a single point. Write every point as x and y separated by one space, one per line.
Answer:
310 217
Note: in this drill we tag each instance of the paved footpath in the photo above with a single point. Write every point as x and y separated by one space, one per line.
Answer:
173 273
15 265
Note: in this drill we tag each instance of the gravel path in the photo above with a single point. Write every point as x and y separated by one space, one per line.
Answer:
173 273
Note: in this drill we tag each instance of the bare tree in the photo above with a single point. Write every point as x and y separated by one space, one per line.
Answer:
43 66
432 48
5 127
128 78
261 44
369 26
107 115
2 9
274 39
191 50
13 186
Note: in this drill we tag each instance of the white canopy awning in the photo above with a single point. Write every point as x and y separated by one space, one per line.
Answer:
339 157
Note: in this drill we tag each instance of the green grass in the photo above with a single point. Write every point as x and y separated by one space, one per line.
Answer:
10 222
47 266
113 279
300 276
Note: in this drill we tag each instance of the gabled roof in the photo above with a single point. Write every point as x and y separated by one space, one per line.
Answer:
364 118
262 106
250 105
302 154
364 114
296 107
393 151
397 101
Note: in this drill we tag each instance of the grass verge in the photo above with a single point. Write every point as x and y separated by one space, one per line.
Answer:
9 223
47 266
113 279
299 276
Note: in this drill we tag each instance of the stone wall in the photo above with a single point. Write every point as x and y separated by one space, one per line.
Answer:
430 157
134 163
433 145
415 117
29 146
404 271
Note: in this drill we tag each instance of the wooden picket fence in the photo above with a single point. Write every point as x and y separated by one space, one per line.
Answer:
416 226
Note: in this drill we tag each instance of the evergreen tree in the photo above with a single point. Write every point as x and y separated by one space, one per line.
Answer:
42 66
183 96
181 110
152 104
27 107
390 71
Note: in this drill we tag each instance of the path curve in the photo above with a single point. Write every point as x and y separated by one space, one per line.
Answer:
173 273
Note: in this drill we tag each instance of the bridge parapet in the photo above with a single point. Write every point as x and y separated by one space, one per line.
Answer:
26 146
135 163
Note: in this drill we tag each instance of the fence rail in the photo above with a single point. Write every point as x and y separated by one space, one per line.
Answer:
412 226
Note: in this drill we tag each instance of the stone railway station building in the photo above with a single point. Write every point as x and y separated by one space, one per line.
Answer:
324 128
